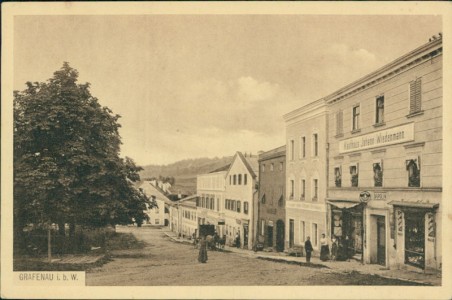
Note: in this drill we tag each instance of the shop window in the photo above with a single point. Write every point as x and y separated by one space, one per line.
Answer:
415 239
338 176
414 172
355 116
415 95
378 174
380 110
354 175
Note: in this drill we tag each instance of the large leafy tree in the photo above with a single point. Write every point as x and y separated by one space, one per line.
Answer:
67 167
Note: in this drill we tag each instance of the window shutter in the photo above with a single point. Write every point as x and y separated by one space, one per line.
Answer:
418 94
415 95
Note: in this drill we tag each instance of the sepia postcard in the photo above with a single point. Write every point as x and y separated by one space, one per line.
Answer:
226 150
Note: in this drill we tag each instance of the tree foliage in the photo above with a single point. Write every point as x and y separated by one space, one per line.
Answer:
67 167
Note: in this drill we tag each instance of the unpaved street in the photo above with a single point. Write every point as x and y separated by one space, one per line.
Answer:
164 262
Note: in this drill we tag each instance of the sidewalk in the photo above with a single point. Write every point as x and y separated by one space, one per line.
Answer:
333 266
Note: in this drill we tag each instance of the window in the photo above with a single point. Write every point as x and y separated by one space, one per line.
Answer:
197 201
302 231
292 149
263 200
354 175
240 179
234 180
415 95
414 172
378 173
339 123
245 179
230 179
316 189
380 110
315 235
303 147
281 201
338 176
271 167
262 227
291 189
355 125
212 203
303 189
238 206
245 207
218 204
263 168
281 165
316 144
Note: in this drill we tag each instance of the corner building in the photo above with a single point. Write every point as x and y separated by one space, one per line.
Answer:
385 162
306 165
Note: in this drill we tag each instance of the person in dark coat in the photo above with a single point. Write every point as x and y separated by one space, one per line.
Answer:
308 249
202 257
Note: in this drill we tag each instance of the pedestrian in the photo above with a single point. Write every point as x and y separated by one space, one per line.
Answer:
202 257
237 240
324 248
308 248
334 248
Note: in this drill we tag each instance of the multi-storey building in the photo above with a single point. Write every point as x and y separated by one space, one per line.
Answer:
306 173
385 161
210 189
188 216
159 215
241 186
271 205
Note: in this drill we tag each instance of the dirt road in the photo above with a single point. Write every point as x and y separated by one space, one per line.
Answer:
164 262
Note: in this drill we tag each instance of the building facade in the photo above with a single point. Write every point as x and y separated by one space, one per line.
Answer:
241 185
385 162
188 216
306 174
210 189
271 214
159 215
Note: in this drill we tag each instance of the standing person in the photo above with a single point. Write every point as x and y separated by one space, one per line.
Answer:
202 257
237 240
308 248
334 248
324 248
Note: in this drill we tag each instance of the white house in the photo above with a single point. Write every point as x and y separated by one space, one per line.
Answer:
158 215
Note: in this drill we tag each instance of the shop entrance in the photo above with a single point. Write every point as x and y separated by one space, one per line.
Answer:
381 241
347 226
415 239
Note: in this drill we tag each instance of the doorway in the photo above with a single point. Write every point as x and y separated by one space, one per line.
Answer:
291 233
381 241
415 239
270 236
245 235
280 236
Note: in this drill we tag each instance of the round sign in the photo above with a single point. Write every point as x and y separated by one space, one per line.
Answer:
364 196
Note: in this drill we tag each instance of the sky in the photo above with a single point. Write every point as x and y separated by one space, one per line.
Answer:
189 86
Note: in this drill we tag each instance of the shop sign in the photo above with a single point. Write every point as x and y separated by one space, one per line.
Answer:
379 138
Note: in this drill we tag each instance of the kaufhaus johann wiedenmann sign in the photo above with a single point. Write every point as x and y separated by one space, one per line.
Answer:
379 138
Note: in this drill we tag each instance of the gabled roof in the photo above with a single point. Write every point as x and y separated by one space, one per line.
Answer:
250 163
223 168
151 190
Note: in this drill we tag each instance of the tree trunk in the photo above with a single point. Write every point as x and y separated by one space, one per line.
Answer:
49 244
61 229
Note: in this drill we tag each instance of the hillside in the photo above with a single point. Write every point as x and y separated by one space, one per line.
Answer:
185 171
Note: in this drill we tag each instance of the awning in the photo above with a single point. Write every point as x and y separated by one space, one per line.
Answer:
420 205
340 203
